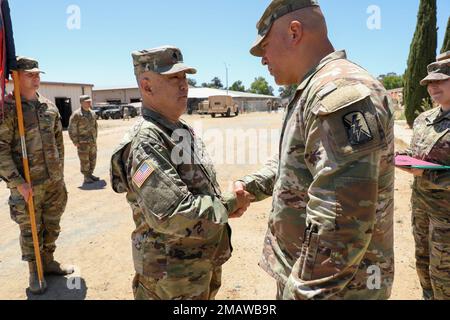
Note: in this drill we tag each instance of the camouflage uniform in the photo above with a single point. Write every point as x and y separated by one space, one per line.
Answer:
83 131
126 114
431 202
431 196
45 147
331 225
182 236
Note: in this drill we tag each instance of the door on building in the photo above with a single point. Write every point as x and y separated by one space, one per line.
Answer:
65 110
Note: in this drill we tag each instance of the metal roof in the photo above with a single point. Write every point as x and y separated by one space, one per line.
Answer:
117 88
203 93
66 83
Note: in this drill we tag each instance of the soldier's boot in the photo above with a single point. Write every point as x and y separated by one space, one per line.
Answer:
427 294
94 177
88 179
34 280
52 267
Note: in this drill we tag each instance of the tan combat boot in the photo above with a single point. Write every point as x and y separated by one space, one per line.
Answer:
52 267
34 280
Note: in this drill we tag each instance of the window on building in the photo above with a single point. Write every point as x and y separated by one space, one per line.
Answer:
135 100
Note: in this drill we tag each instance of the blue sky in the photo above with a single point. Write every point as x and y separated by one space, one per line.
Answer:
210 33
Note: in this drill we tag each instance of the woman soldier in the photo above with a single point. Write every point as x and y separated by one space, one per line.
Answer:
431 188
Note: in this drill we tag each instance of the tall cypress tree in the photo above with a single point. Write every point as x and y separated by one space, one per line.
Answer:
446 45
422 53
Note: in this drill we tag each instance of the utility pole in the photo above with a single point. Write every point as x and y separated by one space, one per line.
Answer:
226 68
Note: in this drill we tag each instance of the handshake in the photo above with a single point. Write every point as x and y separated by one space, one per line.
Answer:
244 199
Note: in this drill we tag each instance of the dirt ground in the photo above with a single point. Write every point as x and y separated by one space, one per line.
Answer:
97 224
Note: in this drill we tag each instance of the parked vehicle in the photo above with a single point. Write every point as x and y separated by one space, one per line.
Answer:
215 105
115 111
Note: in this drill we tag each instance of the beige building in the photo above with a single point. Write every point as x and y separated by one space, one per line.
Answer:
397 97
117 95
247 101
66 96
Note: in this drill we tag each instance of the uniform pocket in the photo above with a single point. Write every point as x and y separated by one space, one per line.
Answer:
316 258
149 255
434 142
17 207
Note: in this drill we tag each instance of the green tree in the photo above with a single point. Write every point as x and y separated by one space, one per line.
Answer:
237 86
422 53
192 82
391 81
446 44
261 86
215 83
288 91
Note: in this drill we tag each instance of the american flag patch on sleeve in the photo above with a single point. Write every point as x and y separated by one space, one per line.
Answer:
143 173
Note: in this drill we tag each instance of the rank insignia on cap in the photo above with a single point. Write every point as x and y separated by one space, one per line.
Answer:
358 131
143 173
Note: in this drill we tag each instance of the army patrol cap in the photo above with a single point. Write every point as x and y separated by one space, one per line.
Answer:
85 98
274 11
162 60
28 65
443 56
437 71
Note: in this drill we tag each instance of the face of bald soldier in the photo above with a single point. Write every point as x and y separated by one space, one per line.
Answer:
29 81
275 57
440 92
168 94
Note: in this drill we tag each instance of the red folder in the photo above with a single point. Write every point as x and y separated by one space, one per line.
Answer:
409 162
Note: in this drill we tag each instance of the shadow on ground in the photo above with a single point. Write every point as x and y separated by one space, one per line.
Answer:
99 185
62 288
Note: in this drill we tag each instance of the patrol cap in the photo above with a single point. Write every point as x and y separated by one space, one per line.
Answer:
85 98
28 65
443 56
162 60
437 71
275 10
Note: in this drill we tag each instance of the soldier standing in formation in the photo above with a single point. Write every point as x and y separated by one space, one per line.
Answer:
126 114
331 226
182 236
83 131
45 147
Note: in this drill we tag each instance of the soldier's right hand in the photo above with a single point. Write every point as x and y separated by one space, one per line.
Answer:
244 199
25 190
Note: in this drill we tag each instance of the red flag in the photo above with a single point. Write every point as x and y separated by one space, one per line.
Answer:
7 48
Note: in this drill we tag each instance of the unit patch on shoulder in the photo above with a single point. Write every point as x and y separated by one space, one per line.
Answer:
358 131
143 173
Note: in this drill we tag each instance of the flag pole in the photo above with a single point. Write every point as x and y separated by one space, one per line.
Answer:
26 169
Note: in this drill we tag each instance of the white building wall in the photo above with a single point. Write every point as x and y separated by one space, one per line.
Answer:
52 91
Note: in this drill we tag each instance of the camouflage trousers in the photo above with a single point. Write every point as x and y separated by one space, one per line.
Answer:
87 152
431 229
50 199
203 288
